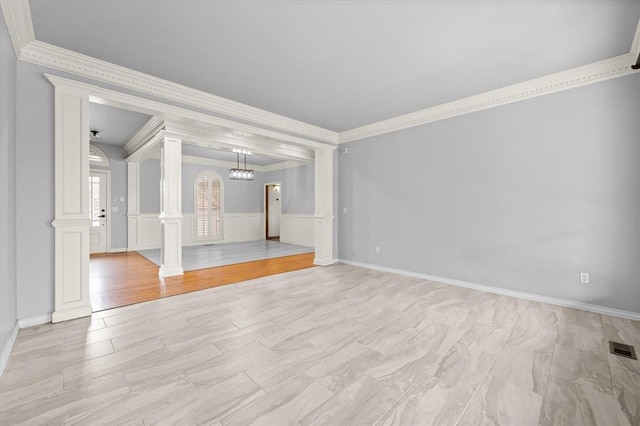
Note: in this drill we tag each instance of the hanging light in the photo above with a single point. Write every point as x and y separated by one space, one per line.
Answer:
238 173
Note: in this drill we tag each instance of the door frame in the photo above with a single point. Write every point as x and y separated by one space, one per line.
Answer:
265 222
108 206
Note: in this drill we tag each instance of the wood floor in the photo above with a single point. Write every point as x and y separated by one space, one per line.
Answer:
126 278
335 345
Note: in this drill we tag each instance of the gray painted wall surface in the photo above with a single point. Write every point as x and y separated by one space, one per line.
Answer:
522 197
298 190
118 168
34 191
8 289
150 186
239 196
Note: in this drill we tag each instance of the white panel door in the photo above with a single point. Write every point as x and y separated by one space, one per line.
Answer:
98 211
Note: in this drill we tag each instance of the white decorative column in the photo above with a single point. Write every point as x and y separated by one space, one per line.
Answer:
72 216
171 207
324 205
134 227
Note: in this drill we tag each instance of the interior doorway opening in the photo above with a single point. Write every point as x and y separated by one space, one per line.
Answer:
272 210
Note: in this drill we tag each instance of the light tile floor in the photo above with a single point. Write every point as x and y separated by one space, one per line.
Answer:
336 345
212 255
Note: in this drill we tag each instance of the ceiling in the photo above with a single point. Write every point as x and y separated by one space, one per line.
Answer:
341 65
116 126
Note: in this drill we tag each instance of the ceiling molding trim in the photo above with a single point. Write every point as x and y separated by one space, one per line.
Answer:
282 165
51 56
618 66
17 15
172 113
152 127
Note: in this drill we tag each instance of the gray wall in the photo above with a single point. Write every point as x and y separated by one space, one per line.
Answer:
34 191
522 197
239 196
150 186
8 289
298 190
118 168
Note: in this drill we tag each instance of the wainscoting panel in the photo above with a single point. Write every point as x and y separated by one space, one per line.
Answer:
297 229
237 227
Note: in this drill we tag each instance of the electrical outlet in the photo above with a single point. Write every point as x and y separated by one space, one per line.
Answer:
584 278
377 250
345 150
344 210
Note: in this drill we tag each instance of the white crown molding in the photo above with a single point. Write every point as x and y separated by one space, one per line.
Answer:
152 127
282 165
55 57
17 15
503 291
193 159
618 66
176 114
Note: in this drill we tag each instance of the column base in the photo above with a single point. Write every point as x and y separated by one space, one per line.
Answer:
323 261
166 271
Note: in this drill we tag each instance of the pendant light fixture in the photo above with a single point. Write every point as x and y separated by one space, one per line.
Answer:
238 173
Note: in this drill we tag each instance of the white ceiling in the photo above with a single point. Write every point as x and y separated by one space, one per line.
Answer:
116 126
341 65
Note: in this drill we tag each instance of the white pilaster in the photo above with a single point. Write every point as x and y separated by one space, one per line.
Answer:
324 205
134 227
171 207
72 216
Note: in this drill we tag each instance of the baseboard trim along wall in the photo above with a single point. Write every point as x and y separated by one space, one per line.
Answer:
4 357
30 322
502 291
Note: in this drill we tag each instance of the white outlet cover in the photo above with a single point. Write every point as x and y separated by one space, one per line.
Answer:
584 278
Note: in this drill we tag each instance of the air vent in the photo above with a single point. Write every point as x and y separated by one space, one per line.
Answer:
621 349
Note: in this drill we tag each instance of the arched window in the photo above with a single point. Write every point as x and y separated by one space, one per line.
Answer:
208 211
97 157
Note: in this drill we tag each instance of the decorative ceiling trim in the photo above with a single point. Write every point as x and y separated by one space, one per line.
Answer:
51 56
153 126
204 161
618 66
17 15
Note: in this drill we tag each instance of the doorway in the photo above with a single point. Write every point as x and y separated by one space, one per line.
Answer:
272 203
99 210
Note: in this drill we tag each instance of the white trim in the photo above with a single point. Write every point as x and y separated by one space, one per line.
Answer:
105 159
502 291
618 66
118 250
33 321
55 57
635 45
17 15
151 128
107 208
198 120
6 352
282 165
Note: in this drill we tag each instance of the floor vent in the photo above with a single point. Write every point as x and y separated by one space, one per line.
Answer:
621 349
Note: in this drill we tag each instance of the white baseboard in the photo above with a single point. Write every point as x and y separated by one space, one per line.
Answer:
30 322
503 291
118 250
4 357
